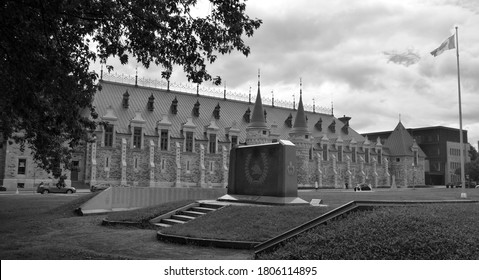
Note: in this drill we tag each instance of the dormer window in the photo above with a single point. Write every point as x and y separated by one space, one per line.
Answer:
163 128
126 97
189 141
196 109
212 143
108 135
110 120
137 137
332 127
247 115
189 132
137 125
319 124
289 121
174 106
216 112
234 141
151 102
164 139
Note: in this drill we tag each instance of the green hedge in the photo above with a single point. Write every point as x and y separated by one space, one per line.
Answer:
429 232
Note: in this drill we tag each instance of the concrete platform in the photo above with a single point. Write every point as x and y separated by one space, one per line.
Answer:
267 200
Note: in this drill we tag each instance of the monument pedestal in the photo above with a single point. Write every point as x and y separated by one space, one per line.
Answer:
268 200
264 174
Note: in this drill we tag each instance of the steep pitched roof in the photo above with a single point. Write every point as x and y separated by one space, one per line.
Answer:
400 142
300 125
231 111
257 119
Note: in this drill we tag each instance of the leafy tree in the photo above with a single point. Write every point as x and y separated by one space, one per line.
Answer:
45 54
472 153
470 168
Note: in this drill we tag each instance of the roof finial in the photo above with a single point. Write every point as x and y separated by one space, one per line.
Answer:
314 106
294 101
259 77
332 108
224 94
101 73
399 117
300 87
272 98
136 77
249 98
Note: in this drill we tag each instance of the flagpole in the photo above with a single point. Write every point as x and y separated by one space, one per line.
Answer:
463 181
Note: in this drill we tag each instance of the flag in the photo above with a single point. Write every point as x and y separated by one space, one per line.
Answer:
450 43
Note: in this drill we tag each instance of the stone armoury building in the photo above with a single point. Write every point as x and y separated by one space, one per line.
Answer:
165 138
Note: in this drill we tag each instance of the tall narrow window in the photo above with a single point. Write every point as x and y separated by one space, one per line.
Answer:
234 141
380 156
340 153
325 152
163 165
415 158
164 140
212 143
353 155
22 166
189 142
137 137
108 135
366 155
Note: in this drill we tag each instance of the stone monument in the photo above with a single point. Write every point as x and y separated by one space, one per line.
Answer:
264 174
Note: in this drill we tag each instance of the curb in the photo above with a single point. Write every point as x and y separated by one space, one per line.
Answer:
229 244
106 222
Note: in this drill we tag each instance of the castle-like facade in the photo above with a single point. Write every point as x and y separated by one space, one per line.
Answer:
164 138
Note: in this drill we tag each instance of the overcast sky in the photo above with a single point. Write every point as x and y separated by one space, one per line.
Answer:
371 58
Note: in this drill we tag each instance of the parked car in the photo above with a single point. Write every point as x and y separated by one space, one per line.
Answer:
468 184
104 186
51 188
362 187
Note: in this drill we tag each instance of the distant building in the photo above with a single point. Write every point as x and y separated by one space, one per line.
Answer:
442 148
165 138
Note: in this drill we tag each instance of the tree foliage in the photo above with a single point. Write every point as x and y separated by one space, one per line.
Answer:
46 50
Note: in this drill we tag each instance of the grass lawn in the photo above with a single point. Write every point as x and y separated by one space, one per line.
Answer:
426 232
258 224
247 223
44 227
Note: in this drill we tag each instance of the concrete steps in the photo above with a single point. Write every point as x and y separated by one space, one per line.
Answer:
185 214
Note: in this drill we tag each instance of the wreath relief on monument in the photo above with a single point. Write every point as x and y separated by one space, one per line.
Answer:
256 168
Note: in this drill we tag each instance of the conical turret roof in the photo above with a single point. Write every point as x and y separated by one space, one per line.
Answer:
300 126
257 119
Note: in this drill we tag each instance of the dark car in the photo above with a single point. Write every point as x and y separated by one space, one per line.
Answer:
468 184
362 187
51 188
104 186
